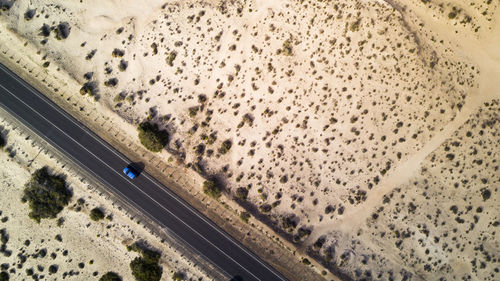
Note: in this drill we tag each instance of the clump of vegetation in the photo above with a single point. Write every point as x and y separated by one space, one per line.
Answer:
117 53
4 276
146 268
62 30
152 138
212 189
242 193
287 48
88 88
226 145
29 14
178 276
47 194
96 214
171 57
110 276
244 216
111 82
44 30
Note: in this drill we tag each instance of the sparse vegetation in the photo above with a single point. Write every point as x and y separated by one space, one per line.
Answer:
178 276
47 195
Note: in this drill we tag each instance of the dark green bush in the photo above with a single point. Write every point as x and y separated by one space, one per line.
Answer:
244 216
96 214
110 276
151 137
143 270
226 145
4 276
242 193
211 189
47 194
178 276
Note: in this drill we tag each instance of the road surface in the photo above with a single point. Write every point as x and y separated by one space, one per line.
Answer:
106 164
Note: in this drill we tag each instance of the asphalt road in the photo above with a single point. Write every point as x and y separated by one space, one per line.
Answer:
106 164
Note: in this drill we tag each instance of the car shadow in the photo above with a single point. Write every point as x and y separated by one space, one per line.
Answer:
138 167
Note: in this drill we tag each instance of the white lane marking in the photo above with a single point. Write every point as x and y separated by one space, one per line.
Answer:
103 181
86 130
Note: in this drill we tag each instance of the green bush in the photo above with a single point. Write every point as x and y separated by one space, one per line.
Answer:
244 216
47 194
151 137
4 276
2 141
242 193
226 145
96 214
110 276
211 189
178 276
142 270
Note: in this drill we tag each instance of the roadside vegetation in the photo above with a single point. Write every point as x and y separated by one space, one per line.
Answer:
151 137
96 214
110 276
212 189
146 268
46 194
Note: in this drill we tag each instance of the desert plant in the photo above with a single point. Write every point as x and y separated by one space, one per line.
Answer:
151 137
47 194
212 189
242 193
110 276
96 214
171 57
244 216
4 276
226 145
178 276
62 30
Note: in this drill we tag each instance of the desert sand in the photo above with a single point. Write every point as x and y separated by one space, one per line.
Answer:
330 109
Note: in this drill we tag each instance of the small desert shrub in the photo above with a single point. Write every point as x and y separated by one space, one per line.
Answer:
123 65
171 57
96 214
242 193
306 261
53 268
151 137
110 276
178 276
117 53
47 194
29 14
193 111
62 30
88 88
111 82
4 276
226 145
244 216
212 189
287 48
44 30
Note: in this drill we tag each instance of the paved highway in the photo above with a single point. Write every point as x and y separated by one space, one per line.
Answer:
106 164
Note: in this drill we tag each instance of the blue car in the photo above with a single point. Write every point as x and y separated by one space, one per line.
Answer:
131 173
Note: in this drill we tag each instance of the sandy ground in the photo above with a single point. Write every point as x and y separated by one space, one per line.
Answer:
330 107
84 249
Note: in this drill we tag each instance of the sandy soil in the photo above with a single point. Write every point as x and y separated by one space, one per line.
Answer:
81 249
329 106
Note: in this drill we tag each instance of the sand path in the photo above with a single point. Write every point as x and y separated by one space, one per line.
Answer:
482 50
